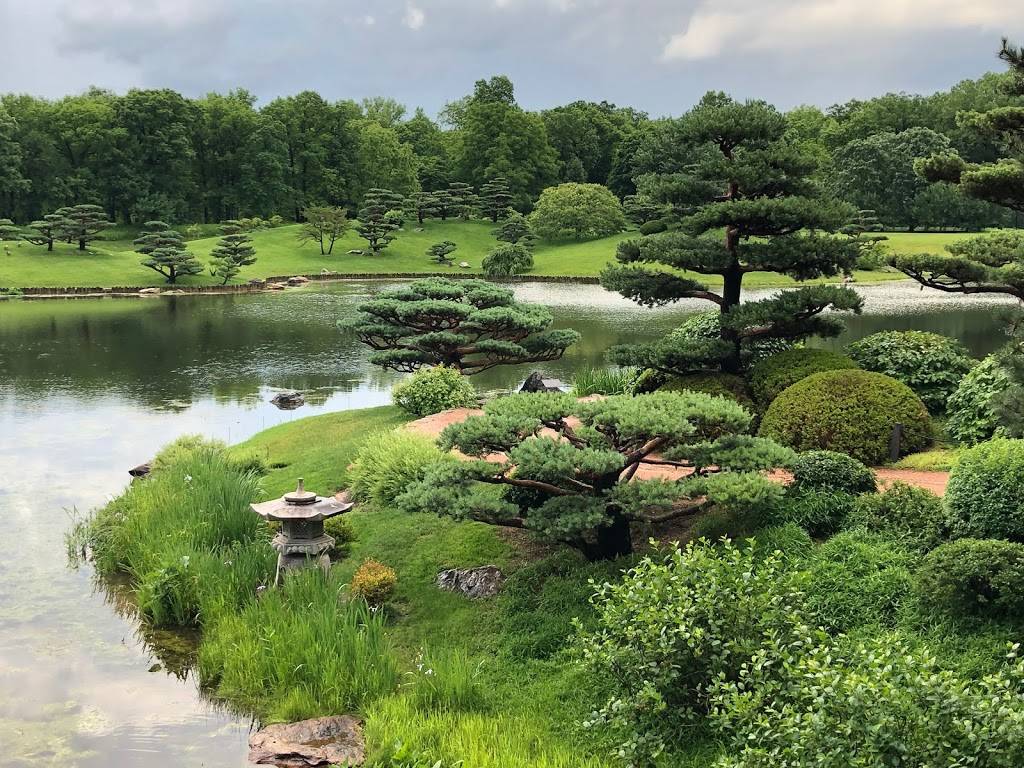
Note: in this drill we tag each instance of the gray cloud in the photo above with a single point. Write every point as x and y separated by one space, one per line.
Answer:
657 55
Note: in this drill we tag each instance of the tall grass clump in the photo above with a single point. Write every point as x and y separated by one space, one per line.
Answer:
300 651
388 462
603 381
185 536
445 680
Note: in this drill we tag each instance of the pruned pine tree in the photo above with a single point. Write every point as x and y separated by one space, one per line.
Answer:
377 224
83 223
233 251
516 229
165 252
755 209
469 325
424 205
495 198
442 252
464 201
46 230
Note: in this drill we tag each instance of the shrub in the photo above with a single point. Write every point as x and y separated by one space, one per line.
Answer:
432 390
912 516
771 375
652 227
820 512
974 577
340 528
507 260
858 578
577 210
708 326
972 417
832 471
985 494
791 541
878 703
374 582
647 380
848 411
671 629
388 462
717 384
930 364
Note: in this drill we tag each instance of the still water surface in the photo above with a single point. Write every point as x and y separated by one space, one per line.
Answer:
90 388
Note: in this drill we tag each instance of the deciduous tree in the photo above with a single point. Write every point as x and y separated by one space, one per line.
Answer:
577 210
323 225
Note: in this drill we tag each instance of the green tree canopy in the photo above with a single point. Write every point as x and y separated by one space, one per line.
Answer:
376 224
516 229
233 251
577 210
82 223
323 225
165 252
471 325
442 252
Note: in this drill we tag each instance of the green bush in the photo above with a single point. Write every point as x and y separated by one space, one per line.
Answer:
930 364
912 516
972 417
717 384
374 582
432 390
848 411
985 494
856 579
672 629
507 259
652 227
974 577
821 512
792 542
831 471
708 326
388 462
768 377
878 703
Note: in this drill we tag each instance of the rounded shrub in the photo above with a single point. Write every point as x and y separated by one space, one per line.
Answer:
973 577
929 363
912 516
789 540
848 411
820 512
718 384
507 259
432 390
652 227
374 582
768 377
388 462
985 495
832 471
971 415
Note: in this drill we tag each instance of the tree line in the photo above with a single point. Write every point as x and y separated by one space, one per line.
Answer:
155 155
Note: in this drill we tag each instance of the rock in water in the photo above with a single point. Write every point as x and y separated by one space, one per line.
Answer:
536 382
288 401
322 741
474 583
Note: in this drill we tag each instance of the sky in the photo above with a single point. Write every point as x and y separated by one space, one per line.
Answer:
655 55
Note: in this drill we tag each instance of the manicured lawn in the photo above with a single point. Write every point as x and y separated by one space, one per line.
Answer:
112 262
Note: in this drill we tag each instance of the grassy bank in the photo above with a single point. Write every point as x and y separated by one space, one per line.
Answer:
112 262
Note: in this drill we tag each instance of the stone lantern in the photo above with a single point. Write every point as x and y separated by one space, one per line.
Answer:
301 542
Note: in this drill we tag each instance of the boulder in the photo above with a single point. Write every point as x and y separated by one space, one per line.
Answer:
355 252
140 471
474 583
149 291
324 741
298 280
257 281
536 382
288 401
276 286
464 264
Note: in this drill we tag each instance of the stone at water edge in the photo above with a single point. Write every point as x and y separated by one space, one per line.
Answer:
288 401
298 280
536 382
324 741
474 583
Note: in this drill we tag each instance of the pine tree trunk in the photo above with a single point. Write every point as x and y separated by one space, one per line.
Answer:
612 540
731 293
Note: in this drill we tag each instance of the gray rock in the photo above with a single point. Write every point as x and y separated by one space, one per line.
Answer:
140 471
276 286
474 583
298 280
288 401
355 252
149 291
322 741
536 382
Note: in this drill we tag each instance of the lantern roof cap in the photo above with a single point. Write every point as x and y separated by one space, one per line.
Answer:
301 504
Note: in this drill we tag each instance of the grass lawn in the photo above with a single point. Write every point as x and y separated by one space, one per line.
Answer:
112 262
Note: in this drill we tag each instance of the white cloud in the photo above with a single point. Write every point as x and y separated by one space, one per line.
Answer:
414 17
792 25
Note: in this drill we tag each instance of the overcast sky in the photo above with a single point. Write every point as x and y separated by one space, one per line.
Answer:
656 55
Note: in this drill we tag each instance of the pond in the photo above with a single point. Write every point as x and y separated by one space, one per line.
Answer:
90 388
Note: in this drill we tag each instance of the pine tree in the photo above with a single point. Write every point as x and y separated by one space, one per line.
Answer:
424 205
443 203
376 225
9 230
52 226
234 251
83 223
495 198
754 185
165 252
464 200
441 252
516 229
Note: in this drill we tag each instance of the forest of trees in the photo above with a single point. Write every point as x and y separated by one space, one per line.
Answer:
157 155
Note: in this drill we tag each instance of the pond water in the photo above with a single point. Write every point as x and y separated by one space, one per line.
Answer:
90 388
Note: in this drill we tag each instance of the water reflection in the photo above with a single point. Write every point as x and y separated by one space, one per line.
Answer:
91 388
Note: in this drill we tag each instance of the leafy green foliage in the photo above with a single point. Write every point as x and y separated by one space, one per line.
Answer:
973 577
470 325
442 252
516 229
832 471
577 210
913 517
676 627
819 511
971 408
388 462
377 222
507 260
652 227
847 411
495 198
985 494
990 263
323 225
165 252
603 381
82 223
930 364
771 375
373 582
432 390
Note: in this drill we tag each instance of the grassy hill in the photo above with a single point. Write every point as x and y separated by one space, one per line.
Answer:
112 262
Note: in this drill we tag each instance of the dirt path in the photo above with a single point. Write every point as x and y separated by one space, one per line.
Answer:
431 426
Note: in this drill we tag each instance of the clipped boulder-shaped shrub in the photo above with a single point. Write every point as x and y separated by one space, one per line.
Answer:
819 511
972 417
832 471
432 390
374 582
912 516
652 227
848 411
717 384
973 577
931 364
768 377
985 494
